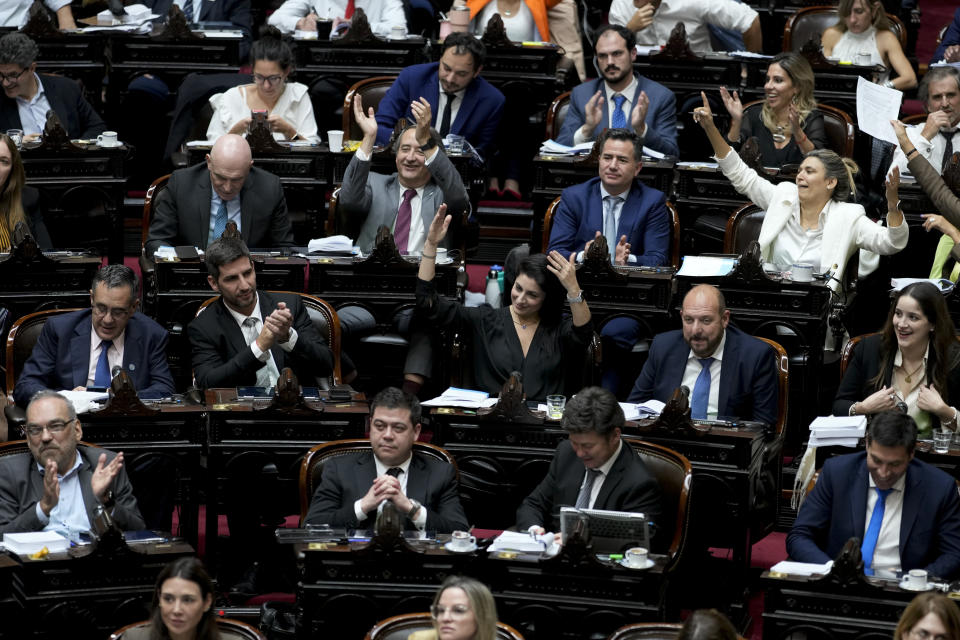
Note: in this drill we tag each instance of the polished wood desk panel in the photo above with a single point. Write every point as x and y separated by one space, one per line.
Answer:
31 282
352 62
643 293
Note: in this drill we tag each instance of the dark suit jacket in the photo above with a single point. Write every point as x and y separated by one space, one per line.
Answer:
865 364
21 487
477 118
643 219
749 386
628 487
346 479
33 212
836 510
951 37
661 114
222 357
66 99
61 357
368 200
182 214
236 12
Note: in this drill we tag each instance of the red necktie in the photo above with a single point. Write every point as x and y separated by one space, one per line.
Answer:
350 8
401 231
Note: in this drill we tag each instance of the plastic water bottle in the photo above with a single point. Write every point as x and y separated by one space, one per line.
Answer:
493 286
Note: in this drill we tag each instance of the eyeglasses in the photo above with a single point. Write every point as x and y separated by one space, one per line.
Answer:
459 611
55 427
12 77
101 310
923 634
270 80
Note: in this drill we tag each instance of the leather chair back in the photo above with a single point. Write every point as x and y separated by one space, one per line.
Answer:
22 338
674 475
783 383
548 223
400 627
311 468
743 227
371 91
233 627
811 22
848 350
649 631
157 190
556 114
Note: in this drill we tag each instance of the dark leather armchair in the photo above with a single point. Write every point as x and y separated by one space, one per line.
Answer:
234 627
556 114
400 627
372 91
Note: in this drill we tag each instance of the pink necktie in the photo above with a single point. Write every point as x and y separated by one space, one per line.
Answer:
401 232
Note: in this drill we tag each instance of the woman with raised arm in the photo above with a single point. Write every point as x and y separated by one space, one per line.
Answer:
531 335
810 220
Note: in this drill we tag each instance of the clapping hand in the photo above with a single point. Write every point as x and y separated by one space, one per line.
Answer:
103 475
622 251
638 116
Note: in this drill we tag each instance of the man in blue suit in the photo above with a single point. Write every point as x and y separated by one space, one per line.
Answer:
630 215
639 104
730 374
462 102
82 349
906 513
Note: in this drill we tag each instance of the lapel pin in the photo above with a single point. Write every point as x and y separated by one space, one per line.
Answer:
131 366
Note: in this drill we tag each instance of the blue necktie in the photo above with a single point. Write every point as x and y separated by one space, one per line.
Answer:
873 530
102 376
188 12
610 224
701 391
619 118
220 222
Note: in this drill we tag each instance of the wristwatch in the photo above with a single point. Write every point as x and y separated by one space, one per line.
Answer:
414 510
578 298
430 144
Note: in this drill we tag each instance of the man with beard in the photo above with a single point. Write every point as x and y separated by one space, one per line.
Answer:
939 136
58 485
730 374
621 99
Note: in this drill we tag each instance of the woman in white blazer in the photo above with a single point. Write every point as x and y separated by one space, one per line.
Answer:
810 220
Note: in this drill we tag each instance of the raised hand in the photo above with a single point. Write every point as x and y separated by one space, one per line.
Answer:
901 132
732 104
935 122
422 113
438 227
565 270
366 121
702 115
592 114
104 474
892 183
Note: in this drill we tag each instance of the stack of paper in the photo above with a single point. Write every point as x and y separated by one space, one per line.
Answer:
464 398
842 431
648 409
943 284
554 148
802 568
133 14
521 541
332 244
706 266
33 541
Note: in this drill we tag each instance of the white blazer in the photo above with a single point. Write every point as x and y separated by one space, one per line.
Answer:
846 227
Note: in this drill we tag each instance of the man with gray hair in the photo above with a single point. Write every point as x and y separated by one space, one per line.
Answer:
28 96
84 348
59 485
939 137
199 201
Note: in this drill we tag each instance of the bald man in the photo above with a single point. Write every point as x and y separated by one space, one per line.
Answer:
200 200
730 374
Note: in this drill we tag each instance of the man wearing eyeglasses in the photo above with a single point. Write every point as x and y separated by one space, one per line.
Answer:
83 349
28 96
58 486
200 200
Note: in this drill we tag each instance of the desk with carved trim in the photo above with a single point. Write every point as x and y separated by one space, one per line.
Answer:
32 281
645 294
355 61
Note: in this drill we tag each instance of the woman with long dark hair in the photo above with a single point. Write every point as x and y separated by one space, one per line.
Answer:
18 202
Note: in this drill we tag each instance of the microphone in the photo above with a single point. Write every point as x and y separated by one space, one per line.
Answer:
116 369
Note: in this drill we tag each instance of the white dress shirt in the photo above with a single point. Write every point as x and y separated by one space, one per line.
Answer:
454 110
932 150
14 13
233 212
114 354
69 517
383 15
608 95
421 520
886 555
258 353
695 15
795 244
520 26
692 372
33 112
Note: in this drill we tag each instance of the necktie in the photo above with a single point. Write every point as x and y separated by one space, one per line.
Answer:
266 375
394 471
102 377
220 222
873 530
701 391
401 230
188 10
947 149
351 6
447 111
619 118
610 224
583 498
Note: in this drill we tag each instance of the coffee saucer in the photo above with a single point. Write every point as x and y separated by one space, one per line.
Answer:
644 567
449 547
904 584
109 146
447 260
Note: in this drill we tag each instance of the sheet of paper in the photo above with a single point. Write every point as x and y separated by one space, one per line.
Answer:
643 410
84 401
832 442
706 266
833 422
521 541
802 568
331 243
653 153
943 284
876 107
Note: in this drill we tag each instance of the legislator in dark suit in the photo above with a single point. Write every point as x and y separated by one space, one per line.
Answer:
236 12
346 479
643 219
182 212
477 118
368 199
21 487
61 357
222 357
66 99
629 486
749 387
836 510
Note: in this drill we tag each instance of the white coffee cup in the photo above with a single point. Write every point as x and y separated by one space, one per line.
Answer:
636 557
335 139
398 32
108 139
441 255
802 272
462 540
917 578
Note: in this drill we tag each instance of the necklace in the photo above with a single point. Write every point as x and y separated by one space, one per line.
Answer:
523 325
909 379
778 134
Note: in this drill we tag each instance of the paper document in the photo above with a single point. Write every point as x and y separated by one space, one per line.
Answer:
845 427
943 284
648 409
876 107
552 147
463 398
706 266
521 541
816 441
802 568
332 243
84 401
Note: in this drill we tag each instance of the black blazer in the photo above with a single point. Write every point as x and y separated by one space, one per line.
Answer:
865 364
182 214
66 99
222 357
628 487
346 479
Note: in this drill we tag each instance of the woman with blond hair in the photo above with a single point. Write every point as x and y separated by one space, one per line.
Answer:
463 609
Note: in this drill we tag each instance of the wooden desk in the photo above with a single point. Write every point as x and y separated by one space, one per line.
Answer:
644 293
352 62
